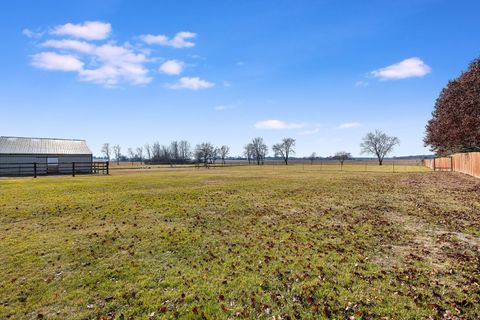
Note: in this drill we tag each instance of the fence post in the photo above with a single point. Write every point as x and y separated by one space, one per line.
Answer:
73 169
451 163
433 164
107 167
35 170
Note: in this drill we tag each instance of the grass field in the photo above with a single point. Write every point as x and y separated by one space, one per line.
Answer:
242 242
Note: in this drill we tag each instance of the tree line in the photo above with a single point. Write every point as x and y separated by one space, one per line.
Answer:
255 152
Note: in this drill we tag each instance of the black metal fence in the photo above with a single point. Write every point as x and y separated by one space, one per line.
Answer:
34 169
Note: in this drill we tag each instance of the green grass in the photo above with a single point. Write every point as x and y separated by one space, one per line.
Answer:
242 242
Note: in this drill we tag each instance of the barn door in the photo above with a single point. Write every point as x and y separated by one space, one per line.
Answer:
52 165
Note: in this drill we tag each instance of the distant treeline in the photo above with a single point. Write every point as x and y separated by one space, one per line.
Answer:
256 152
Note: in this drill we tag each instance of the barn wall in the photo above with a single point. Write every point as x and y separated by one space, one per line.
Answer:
19 165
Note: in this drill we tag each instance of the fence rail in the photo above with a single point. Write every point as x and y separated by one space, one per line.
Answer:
34 169
468 163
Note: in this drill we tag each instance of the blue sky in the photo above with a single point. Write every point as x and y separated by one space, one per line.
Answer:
322 72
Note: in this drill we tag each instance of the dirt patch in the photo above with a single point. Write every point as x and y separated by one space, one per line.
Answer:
451 181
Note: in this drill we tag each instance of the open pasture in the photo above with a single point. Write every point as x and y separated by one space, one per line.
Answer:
273 242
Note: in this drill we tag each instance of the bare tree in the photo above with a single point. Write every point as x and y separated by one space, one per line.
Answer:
131 155
223 151
204 152
106 150
175 151
185 151
215 154
312 157
379 144
284 149
260 150
166 155
140 154
342 156
156 152
248 152
148 151
117 151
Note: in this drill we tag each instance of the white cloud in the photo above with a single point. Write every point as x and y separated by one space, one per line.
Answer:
240 63
54 61
174 67
278 124
191 83
349 125
361 84
80 46
180 40
118 64
408 68
309 132
90 30
108 64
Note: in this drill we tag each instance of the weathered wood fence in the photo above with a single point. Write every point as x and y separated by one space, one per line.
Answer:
468 163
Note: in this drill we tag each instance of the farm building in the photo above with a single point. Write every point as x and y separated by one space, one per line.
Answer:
24 156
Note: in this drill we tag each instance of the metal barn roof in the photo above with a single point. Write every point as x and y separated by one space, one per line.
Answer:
21 145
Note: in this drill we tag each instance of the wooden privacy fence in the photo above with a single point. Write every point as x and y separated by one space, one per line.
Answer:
468 163
34 169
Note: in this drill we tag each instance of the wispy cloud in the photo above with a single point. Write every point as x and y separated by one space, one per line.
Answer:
31 34
191 83
224 107
173 67
90 30
349 125
408 68
180 40
361 84
278 124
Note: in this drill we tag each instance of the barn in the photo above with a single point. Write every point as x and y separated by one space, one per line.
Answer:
26 156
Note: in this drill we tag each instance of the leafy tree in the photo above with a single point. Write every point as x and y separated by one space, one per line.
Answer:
378 144
284 149
454 126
